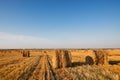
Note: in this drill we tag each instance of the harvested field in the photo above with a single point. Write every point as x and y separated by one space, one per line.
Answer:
87 72
44 70
73 65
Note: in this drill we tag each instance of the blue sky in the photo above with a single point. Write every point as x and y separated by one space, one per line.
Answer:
59 24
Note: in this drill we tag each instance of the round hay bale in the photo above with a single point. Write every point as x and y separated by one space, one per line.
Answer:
55 59
26 53
101 57
66 59
89 60
23 53
61 58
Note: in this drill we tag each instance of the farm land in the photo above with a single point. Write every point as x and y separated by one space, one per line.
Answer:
60 64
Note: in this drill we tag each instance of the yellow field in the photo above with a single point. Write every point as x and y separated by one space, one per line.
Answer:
13 66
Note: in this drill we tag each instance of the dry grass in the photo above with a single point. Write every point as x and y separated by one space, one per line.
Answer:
39 65
87 72
20 70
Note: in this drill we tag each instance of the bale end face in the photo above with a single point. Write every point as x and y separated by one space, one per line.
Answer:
89 60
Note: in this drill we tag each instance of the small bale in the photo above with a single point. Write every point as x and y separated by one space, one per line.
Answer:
26 53
23 53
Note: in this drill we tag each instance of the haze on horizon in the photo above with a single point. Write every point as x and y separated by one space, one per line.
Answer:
60 24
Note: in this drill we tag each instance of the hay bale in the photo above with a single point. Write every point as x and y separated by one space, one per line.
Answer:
89 60
66 59
23 53
55 59
61 59
26 53
101 57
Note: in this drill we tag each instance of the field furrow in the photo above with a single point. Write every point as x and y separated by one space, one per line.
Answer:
44 70
29 70
20 68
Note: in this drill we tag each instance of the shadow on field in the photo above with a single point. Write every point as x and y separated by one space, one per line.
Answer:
74 64
88 61
114 62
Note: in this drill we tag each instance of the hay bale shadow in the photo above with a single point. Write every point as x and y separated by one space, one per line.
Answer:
75 64
88 61
114 62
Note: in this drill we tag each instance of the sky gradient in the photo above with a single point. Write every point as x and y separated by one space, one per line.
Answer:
59 23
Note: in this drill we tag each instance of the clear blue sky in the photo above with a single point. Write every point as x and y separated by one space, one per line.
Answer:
59 23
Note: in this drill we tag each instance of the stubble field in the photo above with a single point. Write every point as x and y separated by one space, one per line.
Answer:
40 65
